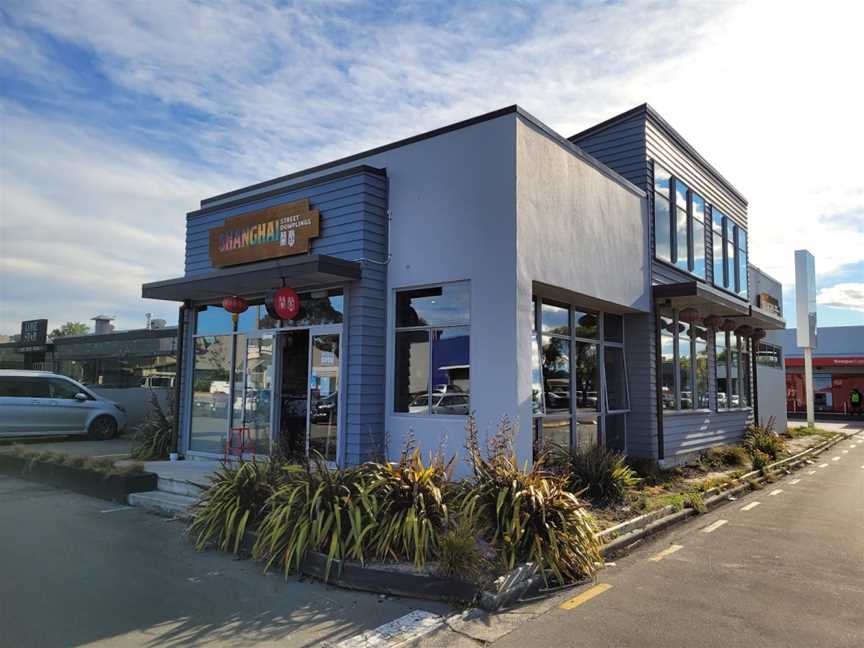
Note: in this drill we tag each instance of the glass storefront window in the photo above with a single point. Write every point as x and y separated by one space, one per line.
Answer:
700 352
685 368
555 319
324 414
681 246
615 427
556 432
587 377
433 354
586 325
556 374
316 308
717 248
211 392
667 358
721 370
698 236
613 328
662 236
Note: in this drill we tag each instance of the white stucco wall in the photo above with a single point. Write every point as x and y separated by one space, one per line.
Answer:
577 229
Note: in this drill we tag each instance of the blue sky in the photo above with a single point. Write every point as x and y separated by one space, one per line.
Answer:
117 118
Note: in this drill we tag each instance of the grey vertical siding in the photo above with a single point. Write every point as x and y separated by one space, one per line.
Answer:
353 211
639 353
621 147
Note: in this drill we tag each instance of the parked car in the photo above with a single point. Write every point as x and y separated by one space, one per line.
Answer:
44 403
157 380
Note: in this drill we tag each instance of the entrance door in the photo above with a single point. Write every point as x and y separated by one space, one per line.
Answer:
253 389
309 395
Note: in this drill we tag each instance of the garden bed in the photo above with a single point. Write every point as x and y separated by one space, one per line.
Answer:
82 475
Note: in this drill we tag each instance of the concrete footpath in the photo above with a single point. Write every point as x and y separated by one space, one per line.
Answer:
81 571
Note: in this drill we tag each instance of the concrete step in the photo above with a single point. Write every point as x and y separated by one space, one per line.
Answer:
178 486
163 503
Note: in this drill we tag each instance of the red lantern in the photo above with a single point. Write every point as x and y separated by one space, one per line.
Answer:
235 305
283 304
689 315
758 334
744 330
728 325
712 322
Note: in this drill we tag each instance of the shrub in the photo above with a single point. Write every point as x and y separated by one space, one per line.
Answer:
727 455
460 554
527 514
761 438
317 509
412 513
152 438
602 474
695 501
233 503
760 460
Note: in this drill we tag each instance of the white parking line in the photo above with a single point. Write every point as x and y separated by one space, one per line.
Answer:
402 630
713 527
114 510
835 458
794 481
750 506
811 472
776 491
844 452
825 465
666 552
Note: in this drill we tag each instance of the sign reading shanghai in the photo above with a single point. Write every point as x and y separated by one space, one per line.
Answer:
267 233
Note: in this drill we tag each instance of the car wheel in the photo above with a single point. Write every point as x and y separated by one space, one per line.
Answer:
102 428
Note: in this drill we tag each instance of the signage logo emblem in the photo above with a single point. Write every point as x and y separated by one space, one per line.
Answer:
283 304
267 233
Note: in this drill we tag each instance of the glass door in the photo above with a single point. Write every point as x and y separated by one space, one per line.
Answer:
293 405
324 396
253 389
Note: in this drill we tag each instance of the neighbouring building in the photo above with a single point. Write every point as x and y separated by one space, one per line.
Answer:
124 366
838 369
595 290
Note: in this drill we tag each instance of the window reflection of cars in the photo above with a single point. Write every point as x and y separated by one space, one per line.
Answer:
456 403
686 400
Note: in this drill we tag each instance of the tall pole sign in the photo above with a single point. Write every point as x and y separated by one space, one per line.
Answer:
805 319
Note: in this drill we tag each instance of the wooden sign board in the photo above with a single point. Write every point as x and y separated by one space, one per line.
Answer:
769 303
278 231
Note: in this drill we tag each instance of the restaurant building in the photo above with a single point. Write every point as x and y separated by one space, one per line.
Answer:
593 290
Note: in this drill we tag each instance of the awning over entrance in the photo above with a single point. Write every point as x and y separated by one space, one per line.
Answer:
711 301
298 272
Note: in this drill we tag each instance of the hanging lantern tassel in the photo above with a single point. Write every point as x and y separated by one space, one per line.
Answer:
235 305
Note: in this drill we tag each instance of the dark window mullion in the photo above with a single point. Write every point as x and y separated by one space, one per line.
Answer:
673 220
690 252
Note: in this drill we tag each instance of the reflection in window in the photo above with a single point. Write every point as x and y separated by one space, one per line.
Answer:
587 430
741 258
681 246
432 372
555 319
536 378
556 374
662 222
700 354
211 391
698 208
729 256
317 307
718 248
616 379
324 396
412 372
587 376
556 432
586 325
667 356
721 368
685 372
438 306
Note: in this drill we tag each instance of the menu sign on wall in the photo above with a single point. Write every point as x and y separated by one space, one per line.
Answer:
34 334
769 303
267 233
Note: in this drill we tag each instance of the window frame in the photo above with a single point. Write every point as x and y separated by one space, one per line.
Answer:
430 330
676 366
740 347
602 390
672 231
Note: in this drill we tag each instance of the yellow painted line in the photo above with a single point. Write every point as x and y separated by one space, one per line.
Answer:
666 552
750 506
713 527
585 596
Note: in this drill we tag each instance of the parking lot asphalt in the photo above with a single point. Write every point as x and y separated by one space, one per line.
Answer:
81 571
782 567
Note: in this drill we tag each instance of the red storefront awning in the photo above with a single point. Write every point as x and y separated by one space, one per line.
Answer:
828 361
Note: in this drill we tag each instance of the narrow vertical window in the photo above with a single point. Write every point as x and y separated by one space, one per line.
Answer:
698 208
718 249
685 366
681 236
662 217
741 258
667 360
721 368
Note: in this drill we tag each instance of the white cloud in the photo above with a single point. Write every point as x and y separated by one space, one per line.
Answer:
843 295
766 92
